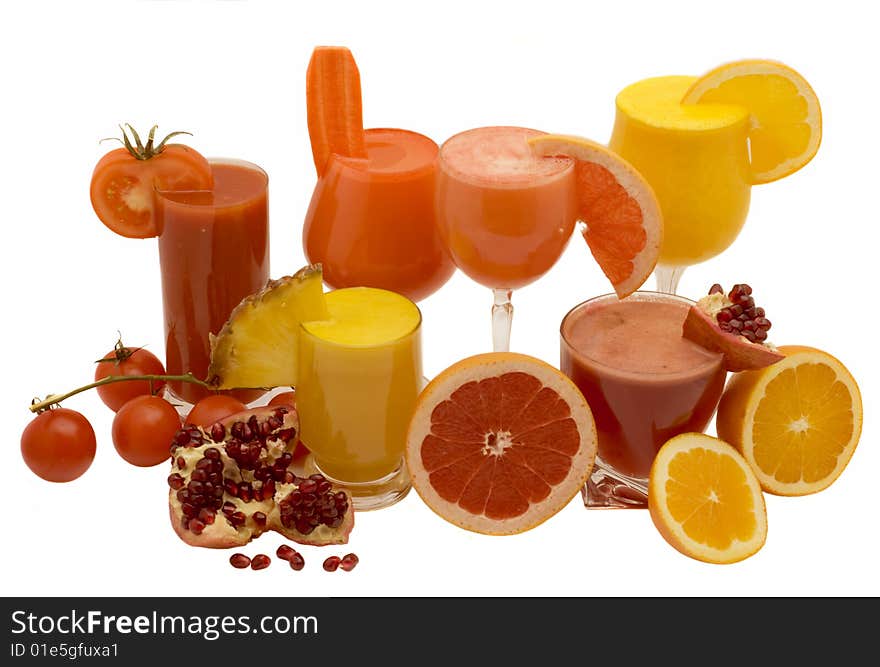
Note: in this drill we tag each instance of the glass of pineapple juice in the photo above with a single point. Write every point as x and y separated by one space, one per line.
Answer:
360 373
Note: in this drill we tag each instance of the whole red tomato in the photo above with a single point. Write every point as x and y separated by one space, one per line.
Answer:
58 445
212 408
128 361
143 430
124 180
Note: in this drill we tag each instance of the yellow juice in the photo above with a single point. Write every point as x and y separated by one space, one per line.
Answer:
696 157
360 373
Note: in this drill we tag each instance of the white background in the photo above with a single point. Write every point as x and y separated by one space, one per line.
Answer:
233 74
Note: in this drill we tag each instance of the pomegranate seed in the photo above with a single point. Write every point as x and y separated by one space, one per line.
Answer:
716 289
348 562
240 561
761 335
181 463
724 315
175 481
237 519
331 563
285 552
212 453
308 486
260 562
259 518
196 526
297 562
206 516
218 432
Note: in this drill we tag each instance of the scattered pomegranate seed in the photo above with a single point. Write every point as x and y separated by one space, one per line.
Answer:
331 563
285 551
297 562
239 561
349 561
260 562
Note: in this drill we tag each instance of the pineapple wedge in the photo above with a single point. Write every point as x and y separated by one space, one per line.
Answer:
257 346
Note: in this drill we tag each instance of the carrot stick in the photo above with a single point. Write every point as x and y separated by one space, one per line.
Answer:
333 105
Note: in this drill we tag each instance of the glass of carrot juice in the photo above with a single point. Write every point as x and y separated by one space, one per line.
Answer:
505 214
370 221
213 252
643 381
360 373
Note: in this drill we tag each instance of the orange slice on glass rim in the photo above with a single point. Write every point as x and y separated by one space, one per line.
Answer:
786 119
500 442
705 500
622 218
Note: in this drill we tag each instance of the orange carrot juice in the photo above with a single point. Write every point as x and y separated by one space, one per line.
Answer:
371 222
360 373
644 382
505 214
213 252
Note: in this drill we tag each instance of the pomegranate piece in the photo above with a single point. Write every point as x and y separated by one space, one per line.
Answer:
234 480
732 325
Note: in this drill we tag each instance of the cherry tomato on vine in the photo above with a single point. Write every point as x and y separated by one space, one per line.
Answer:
143 430
123 360
213 408
58 445
124 179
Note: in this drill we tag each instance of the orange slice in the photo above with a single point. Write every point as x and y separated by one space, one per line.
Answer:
705 499
786 117
333 106
623 223
500 442
796 422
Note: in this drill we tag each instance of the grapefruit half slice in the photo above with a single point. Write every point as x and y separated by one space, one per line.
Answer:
500 442
621 214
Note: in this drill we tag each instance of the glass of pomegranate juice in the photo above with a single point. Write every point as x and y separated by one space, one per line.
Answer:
213 252
644 382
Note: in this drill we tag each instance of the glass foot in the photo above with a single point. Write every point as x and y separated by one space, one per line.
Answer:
373 495
607 489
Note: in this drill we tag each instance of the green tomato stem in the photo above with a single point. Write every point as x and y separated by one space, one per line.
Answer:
39 406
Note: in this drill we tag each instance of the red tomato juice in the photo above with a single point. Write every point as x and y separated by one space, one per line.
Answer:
213 252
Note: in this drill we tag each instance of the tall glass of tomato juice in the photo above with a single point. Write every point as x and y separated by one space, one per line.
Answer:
370 222
213 252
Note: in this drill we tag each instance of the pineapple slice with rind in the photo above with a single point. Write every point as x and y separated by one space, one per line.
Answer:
257 346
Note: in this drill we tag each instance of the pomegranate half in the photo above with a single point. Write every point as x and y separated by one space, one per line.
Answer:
233 481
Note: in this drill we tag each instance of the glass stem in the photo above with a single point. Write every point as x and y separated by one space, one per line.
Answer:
667 278
502 318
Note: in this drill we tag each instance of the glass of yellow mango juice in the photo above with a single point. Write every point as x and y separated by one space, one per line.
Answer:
360 373
696 158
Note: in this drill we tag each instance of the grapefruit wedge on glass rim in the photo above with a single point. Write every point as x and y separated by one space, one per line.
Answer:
623 225
500 442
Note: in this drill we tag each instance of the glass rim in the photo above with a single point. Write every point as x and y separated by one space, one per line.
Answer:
640 295
166 195
458 175
369 346
356 165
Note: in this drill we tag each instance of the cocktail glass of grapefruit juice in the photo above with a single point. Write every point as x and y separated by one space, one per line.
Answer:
213 252
643 381
360 373
696 158
505 214
371 221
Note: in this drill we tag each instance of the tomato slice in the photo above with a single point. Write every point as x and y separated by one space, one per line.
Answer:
122 186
